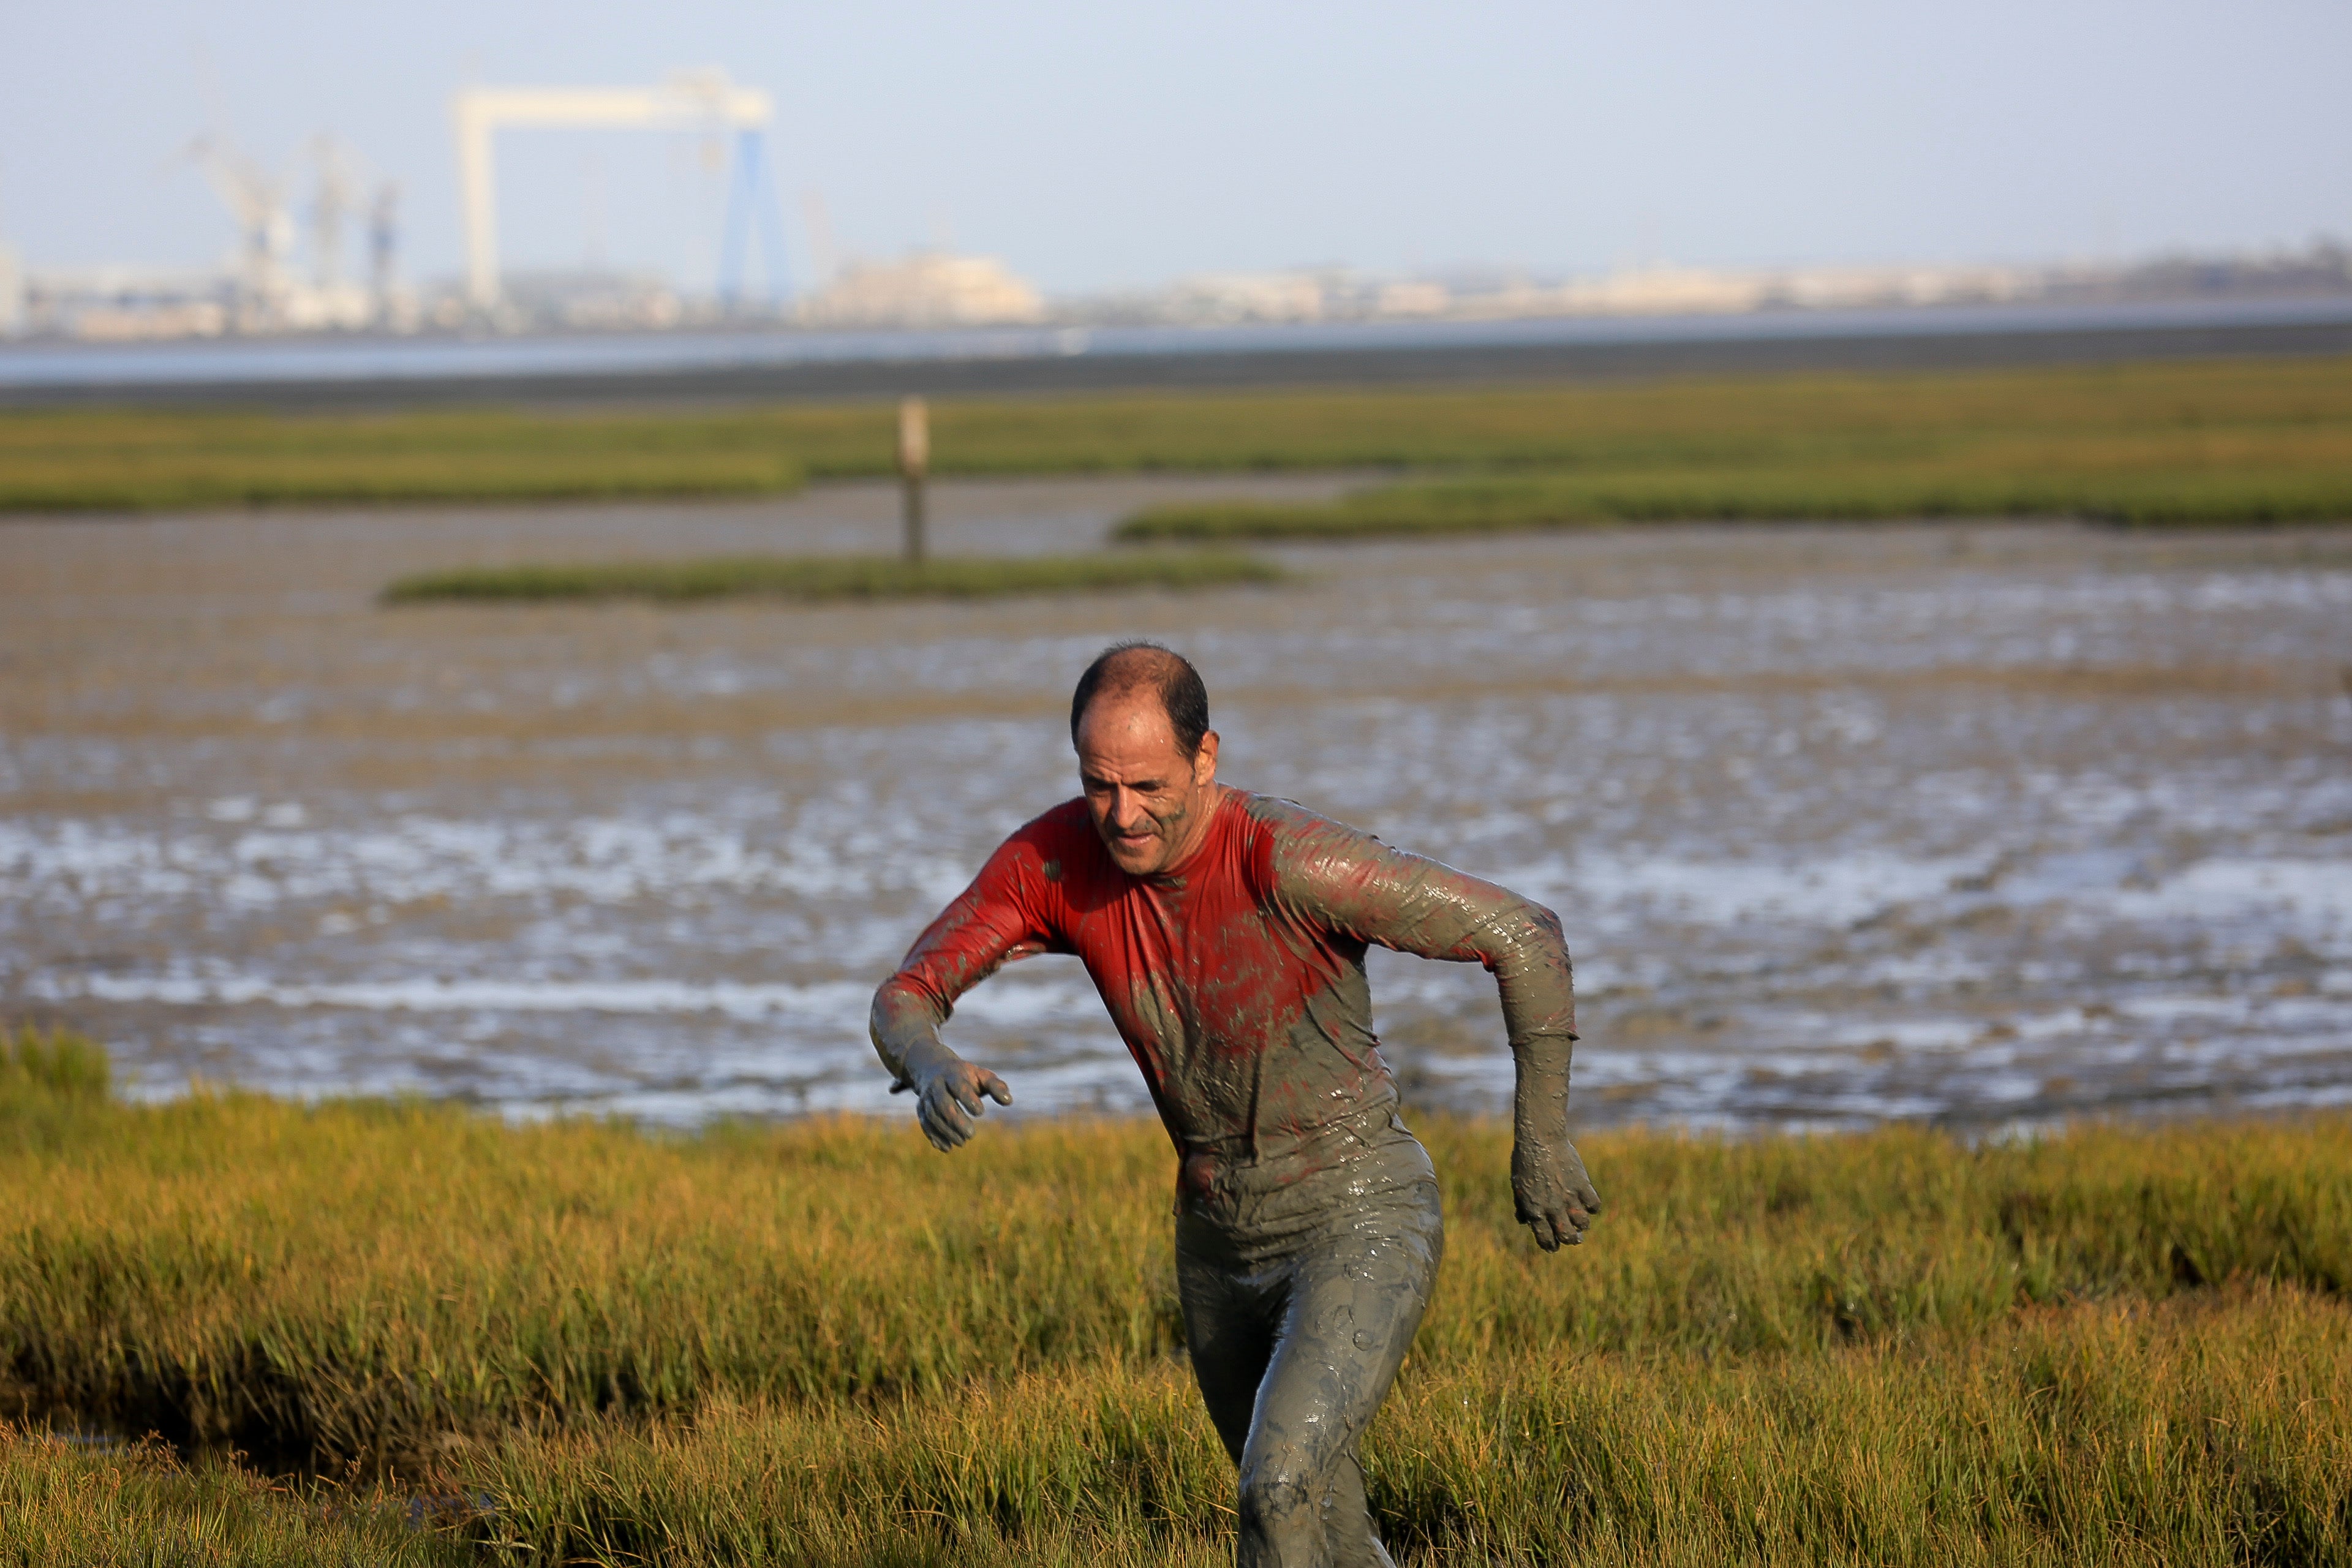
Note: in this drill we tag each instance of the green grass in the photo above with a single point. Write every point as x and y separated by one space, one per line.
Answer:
144 1506
2201 466
2205 1432
1510 504
2202 1430
132 461
2232 437
35 1067
816 579
824 1342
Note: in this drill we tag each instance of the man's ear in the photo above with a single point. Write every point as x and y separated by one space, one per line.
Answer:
1204 761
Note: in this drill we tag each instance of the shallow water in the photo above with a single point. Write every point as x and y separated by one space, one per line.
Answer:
1979 823
331 360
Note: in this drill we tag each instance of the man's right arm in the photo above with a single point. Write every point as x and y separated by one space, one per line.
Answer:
988 924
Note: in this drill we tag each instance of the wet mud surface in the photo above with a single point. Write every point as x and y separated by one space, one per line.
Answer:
1980 824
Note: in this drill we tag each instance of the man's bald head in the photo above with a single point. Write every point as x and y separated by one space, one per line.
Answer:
1127 668
1146 757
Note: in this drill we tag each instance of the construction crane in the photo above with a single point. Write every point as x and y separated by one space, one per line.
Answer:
257 200
340 179
685 101
383 247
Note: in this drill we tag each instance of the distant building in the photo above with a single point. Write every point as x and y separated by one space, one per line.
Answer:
1663 290
12 294
117 304
929 289
1690 291
1413 298
1833 288
592 300
1230 297
138 321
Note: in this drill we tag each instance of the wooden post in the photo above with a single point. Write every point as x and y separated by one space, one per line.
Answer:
914 464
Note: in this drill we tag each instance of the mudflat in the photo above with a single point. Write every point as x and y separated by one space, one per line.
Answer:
1979 822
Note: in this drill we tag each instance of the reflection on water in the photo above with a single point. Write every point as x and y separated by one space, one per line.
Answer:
1984 826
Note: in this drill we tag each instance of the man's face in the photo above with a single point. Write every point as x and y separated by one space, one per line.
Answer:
1149 802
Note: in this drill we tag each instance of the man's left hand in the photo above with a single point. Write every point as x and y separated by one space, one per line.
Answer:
1554 1197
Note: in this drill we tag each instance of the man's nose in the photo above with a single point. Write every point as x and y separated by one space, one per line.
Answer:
1126 805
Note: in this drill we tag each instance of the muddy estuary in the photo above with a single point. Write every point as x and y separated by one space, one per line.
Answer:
1985 825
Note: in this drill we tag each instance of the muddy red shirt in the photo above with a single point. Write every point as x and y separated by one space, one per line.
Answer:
1237 981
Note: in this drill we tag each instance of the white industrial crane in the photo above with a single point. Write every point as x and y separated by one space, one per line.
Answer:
383 245
341 183
257 200
685 101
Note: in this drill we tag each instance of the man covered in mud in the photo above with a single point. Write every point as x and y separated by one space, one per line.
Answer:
1226 932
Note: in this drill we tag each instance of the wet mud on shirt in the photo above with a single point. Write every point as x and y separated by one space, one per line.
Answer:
1237 978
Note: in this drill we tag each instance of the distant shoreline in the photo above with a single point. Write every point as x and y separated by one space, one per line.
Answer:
768 365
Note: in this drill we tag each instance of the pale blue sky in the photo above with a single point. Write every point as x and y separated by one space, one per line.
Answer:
1111 145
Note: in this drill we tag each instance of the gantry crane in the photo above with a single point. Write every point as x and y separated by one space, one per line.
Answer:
685 101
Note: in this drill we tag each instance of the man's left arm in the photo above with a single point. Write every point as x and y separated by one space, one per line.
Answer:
1355 883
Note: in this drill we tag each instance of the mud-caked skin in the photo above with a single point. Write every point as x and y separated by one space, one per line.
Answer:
1308 1227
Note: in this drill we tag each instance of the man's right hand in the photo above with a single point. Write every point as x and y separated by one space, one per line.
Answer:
950 1095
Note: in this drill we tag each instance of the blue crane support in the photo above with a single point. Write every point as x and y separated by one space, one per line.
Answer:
752 198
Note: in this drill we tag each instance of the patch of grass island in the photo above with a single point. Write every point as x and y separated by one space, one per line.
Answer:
2302 477
839 578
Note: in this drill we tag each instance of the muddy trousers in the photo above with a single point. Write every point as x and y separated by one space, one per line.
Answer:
1295 1343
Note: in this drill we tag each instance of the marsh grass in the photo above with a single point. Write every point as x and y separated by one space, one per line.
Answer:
819 579
2157 476
1513 504
823 1342
2242 435
2209 1430
37 1065
130 461
141 1505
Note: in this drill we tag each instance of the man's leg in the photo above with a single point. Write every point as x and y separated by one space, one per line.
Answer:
1228 1326
1356 1297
